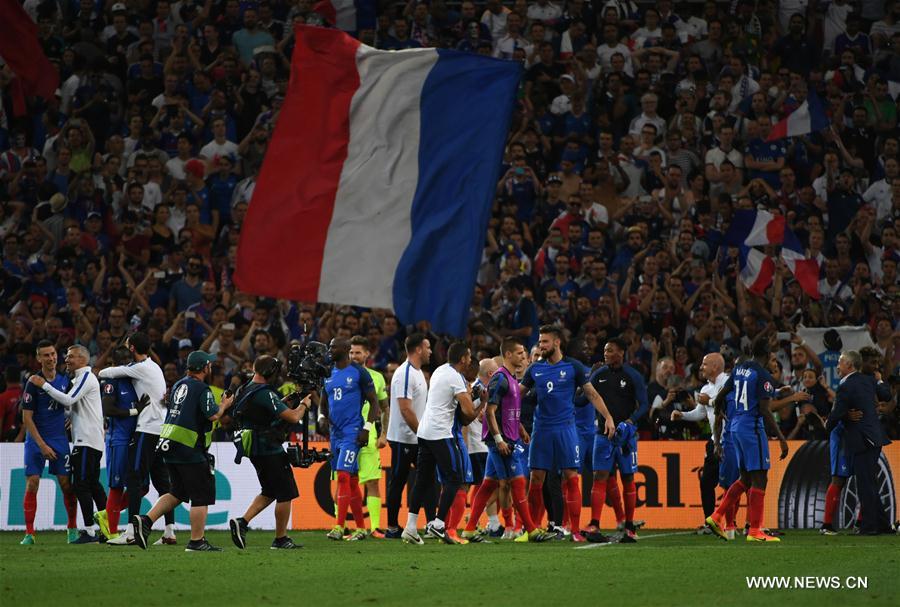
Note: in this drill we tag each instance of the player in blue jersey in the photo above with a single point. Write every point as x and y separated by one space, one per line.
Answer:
45 441
753 389
122 406
725 451
625 394
346 390
554 442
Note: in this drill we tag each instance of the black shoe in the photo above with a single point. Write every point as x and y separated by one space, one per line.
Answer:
85 538
597 538
285 543
201 546
142 526
238 532
393 534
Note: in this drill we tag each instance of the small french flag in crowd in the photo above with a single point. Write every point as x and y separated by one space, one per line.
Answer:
757 269
809 117
377 185
805 270
753 228
348 15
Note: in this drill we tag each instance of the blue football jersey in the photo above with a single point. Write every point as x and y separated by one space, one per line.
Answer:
345 390
49 416
555 385
752 385
121 429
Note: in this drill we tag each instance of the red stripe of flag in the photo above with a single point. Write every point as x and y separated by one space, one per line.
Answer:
283 238
21 49
775 229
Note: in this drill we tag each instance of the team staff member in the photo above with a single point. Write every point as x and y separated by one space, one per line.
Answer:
144 462
84 403
46 442
370 453
183 441
712 369
625 394
409 392
122 406
264 411
438 447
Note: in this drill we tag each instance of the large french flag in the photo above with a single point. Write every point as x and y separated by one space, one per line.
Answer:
757 269
753 228
809 117
377 185
348 15
805 270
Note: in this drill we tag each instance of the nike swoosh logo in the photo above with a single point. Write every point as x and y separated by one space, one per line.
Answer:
538 374
600 381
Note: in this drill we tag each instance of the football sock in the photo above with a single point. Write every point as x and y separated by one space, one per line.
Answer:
169 530
536 502
614 498
113 509
457 510
598 498
71 502
493 522
356 503
29 505
373 505
343 497
412 521
520 501
756 501
129 531
630 500
480 502
508 520
573 502
831 501
731 516
731 499
564 488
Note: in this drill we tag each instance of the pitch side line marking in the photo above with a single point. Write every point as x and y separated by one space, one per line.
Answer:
642 538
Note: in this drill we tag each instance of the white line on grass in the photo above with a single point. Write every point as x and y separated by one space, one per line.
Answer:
642 538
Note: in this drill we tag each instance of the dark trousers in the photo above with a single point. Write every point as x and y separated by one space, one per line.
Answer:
86 482
553 498
403 458
709 478
146 466
443 454
872 511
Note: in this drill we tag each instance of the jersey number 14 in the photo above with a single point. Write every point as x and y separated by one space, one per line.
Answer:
740 390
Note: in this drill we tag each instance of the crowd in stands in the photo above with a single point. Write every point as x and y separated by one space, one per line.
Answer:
639 129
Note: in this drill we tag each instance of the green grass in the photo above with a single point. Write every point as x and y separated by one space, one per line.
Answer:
683 569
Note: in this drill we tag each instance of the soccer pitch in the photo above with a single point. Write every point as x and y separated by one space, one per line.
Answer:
664 568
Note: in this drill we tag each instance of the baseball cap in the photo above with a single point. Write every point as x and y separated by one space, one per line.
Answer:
94 214
118 6
198 359
185 343
568 77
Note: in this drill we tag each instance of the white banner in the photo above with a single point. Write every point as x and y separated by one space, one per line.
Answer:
236 486
852 338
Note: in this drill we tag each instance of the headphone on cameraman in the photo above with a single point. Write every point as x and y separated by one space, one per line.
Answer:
269 368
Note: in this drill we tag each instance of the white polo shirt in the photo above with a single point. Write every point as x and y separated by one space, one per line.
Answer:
148 379
440 409
407 382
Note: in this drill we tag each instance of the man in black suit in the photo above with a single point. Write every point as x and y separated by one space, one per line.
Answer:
863 436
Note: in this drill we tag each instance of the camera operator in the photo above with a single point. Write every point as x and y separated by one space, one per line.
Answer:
261 413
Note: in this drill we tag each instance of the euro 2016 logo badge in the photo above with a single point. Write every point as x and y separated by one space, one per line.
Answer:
180 394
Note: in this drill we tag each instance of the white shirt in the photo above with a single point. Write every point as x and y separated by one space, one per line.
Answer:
175 168
711 389
879 196
717 156
148 379
407 382
474 444
213 149
548 12
83 401
440 409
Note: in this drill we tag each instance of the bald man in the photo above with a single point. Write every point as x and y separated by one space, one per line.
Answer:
712 369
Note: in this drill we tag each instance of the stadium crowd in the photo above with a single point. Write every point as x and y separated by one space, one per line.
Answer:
638 129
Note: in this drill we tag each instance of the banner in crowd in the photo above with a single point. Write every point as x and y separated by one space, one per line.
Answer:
852 337
667 482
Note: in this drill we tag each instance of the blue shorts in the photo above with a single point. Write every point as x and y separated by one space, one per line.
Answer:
509 467
608 456
344 455
555 449
841 460
35 460
479 463
586 447
752 449
468 475
728 465
116 466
